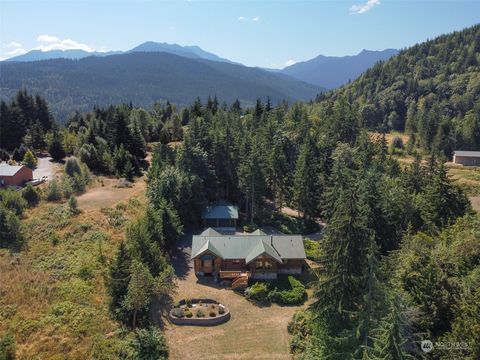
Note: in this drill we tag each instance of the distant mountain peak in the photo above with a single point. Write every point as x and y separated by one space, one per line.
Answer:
190 51
334 71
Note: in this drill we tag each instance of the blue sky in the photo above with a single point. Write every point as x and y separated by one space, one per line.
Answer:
255 33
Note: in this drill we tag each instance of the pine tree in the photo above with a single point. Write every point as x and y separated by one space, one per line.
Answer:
392 341
117 281
306 190
140 290
343 253
55 148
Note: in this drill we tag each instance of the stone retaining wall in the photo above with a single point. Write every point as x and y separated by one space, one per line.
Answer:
205 321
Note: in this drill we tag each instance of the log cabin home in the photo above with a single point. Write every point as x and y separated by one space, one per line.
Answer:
240 257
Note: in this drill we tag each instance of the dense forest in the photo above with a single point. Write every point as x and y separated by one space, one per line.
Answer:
430 90
381 217
144 78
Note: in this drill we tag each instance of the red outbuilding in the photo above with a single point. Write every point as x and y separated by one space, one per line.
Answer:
14 175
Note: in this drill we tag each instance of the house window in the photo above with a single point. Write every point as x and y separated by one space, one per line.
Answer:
267 264
236 262
259 264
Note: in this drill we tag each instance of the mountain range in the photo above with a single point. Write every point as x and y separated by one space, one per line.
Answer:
144 78
334 71
78 80
192 52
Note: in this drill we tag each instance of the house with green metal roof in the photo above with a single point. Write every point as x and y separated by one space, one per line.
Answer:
256 255
220 215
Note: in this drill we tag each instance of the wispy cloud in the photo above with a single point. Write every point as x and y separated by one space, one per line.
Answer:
17 51
14 44
290 62
48 42
254 19
363 8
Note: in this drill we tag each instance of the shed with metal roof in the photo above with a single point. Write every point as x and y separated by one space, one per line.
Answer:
468 158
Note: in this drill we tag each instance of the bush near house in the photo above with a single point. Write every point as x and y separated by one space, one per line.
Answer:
258 292
294 295
312 249
283 291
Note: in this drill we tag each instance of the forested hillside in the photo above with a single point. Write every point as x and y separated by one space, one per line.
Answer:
144 78
431 91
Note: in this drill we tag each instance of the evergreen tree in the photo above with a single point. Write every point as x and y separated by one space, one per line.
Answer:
392 341
306 191
117 282
55 148
140 289
30 160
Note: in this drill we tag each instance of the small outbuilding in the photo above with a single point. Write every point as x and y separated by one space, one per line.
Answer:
220 215
14 175
468 158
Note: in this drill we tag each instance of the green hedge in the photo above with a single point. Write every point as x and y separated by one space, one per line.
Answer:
258 292
284 292
295 295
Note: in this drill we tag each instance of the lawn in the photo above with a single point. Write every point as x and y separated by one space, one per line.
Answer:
253 332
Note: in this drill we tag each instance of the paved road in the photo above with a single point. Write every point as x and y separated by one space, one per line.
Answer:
44 168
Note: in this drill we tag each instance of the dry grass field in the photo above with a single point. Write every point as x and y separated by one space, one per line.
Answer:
52 294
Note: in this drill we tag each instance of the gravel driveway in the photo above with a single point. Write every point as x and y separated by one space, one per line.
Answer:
45 167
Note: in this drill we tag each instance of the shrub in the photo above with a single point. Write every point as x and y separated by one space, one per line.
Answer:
66 186
31 195
188 314
14 201
188 303
200 313
213 314
149 344
72 167
30 160
258 292
312 249
294 296
397 143
73 205
178 312
249 228
300 329
10 229
7 347
54 239
53 192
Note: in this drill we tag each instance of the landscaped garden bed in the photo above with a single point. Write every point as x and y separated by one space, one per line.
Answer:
202 312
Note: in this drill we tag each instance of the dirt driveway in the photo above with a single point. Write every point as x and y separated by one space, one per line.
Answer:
475 200
252 333
108 195
45 167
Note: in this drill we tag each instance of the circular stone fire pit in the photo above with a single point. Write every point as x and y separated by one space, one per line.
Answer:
200 312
